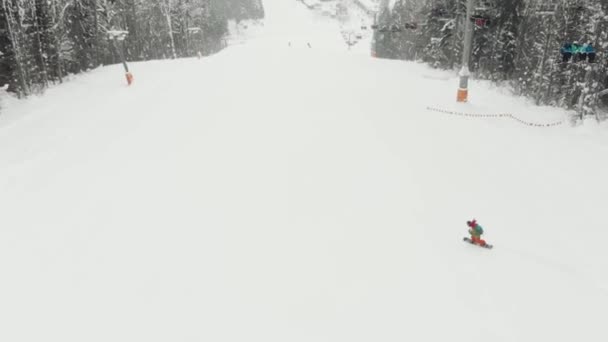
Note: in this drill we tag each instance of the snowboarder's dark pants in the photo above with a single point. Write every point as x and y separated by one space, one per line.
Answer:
566 56
591 56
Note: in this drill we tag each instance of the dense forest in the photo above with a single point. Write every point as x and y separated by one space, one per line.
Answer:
550 50
42 41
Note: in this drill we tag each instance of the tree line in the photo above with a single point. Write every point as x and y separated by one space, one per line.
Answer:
520 43
42 41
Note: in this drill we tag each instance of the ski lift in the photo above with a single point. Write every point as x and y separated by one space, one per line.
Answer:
547 7
481 9
396 28
480 21
118 35
485 5
577 5
545 10
193 30
481 14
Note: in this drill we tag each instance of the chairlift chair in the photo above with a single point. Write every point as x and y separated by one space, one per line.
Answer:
483 7
480 21
546 7
118 35
481 11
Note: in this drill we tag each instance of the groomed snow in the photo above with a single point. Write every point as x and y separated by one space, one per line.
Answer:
277 193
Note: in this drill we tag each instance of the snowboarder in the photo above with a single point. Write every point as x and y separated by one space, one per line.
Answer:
577 50
589 52
476 231
566 52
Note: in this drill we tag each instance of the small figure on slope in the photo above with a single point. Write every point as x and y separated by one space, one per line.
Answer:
476 231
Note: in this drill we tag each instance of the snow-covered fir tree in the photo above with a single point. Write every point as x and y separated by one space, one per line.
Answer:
43 40
516 42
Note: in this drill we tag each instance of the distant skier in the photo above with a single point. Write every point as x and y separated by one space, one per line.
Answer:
476 231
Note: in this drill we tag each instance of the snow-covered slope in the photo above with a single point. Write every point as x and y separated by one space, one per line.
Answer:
277 193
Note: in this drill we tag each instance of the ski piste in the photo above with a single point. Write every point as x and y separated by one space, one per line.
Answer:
488 246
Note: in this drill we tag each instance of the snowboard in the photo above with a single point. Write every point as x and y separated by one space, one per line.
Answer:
488 246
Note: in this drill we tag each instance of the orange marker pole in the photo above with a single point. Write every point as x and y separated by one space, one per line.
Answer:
129 77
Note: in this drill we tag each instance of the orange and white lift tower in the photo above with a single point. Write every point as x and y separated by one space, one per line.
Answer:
463 89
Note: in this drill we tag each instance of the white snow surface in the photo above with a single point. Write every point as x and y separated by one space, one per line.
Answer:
276 193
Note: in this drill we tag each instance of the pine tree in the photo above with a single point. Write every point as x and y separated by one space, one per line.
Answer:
16 57
519 45
42 40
